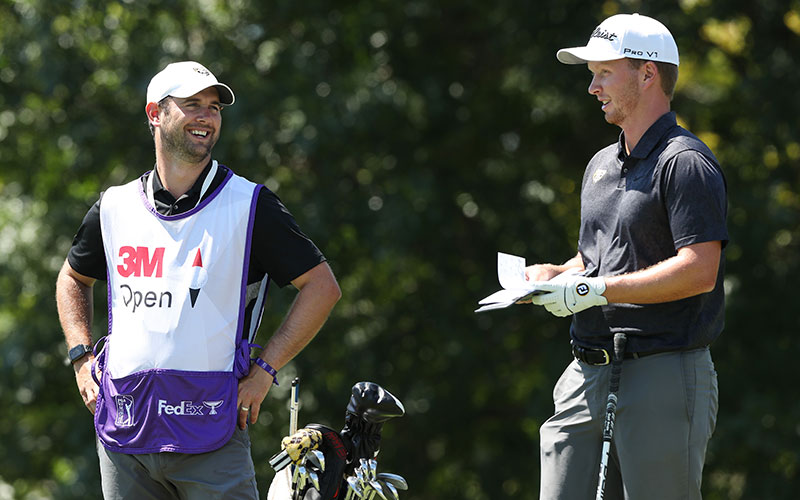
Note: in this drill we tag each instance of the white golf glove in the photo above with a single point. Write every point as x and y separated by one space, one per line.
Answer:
569 293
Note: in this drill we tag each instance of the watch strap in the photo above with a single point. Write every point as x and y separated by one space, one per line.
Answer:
78 352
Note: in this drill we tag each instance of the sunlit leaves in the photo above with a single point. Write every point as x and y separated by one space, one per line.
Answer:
730 35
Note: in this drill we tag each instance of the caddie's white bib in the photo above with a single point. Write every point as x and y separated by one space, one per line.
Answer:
177 291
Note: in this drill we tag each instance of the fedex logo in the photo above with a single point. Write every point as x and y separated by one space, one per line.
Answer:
136 261
185 408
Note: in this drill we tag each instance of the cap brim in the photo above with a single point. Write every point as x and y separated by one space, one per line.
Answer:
226 96
581 55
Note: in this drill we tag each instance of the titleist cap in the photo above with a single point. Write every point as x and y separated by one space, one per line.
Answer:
185 79
625 35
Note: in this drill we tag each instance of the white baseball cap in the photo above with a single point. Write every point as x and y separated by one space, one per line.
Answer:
185 79
625 35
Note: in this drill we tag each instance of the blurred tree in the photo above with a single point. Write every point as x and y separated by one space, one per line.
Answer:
412 141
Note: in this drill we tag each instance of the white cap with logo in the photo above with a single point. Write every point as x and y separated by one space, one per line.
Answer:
625 35
185 79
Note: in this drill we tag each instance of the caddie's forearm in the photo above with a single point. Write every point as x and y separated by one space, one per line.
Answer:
75 305
305 318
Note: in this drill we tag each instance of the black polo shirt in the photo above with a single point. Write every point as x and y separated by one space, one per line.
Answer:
638 210
279 247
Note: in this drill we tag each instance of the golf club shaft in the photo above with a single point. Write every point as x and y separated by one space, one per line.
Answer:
294 407
611 410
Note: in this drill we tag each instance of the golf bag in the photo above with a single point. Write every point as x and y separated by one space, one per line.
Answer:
318 463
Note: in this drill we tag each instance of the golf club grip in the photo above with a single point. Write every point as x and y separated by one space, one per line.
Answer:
620 339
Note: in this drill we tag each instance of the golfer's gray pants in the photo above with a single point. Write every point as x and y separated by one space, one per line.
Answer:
666 413
226 473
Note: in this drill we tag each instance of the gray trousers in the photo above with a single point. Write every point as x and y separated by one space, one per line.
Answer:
666 413
226 473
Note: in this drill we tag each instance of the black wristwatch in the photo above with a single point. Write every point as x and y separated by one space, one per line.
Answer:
78 352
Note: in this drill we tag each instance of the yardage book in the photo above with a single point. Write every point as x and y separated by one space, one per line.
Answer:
511 274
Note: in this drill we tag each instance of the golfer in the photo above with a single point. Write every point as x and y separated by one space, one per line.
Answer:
188 249
650 264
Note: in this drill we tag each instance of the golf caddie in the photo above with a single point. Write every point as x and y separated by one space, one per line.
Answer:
649 265
188 249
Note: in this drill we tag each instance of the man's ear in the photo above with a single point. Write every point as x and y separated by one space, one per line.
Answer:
649 73
151 110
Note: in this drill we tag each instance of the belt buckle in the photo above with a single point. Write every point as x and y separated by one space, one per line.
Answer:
606 358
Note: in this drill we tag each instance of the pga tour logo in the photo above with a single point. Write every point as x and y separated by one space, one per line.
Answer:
124 403
187 408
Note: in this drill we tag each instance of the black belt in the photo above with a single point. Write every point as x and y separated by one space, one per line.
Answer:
600 357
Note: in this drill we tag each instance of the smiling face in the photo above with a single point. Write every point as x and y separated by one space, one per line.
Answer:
190 126
616 86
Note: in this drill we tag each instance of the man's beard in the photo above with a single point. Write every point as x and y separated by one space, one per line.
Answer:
623 105
176 142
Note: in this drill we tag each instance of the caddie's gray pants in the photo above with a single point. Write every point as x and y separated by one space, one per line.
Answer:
666 413
226 473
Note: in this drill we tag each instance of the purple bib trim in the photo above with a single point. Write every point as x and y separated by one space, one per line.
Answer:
188 213
166 411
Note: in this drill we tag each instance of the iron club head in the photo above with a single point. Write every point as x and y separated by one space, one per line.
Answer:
352 485
372 468
317 459
396 480
378 488
390 490
314 478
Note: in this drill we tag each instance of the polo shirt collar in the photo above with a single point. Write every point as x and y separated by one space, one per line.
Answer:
161 191
651 138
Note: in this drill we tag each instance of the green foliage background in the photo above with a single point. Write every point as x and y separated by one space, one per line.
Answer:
412 140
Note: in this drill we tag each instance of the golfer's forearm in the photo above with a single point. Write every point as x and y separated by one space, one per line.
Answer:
692 272
575 262
74 303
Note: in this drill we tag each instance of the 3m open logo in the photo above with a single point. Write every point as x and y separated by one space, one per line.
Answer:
124 403
144 262
141 262
582 289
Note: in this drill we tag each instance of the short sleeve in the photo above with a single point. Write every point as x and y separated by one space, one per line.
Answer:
87 255
695 196
279 248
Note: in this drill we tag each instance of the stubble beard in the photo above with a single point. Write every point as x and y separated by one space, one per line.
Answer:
175 141
623 104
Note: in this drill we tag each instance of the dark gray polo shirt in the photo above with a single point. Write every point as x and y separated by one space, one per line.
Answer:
638 210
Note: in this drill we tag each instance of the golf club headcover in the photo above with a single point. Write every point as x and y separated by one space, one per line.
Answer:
370 406
373 403
300 443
